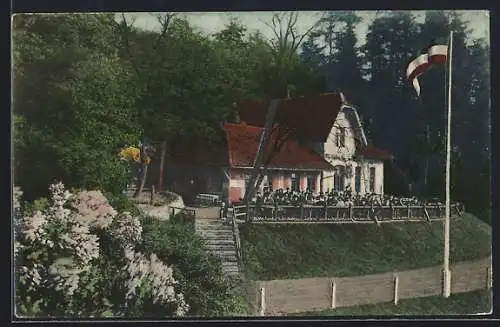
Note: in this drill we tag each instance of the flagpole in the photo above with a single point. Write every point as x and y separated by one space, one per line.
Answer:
446 261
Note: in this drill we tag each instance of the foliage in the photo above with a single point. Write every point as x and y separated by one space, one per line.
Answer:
373 77
184 219
73 101
301 251
332 47
457 304
121 203
200 276
77 258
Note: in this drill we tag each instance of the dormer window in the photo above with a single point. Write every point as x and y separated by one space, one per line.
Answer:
340 137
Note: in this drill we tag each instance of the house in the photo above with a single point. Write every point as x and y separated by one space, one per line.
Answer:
294 166
224 167
317 143
356 163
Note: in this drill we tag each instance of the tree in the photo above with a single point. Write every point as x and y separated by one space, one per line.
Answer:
390 105
341 56
284 45
155 122
74 100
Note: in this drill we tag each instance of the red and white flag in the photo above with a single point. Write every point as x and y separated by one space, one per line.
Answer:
436 54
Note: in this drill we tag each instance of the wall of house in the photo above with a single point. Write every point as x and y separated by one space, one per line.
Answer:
344 157
276 179
331 150
350 178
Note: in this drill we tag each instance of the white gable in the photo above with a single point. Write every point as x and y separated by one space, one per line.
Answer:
334 150
347 121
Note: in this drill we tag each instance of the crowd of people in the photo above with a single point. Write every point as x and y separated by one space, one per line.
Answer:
287 197
279 198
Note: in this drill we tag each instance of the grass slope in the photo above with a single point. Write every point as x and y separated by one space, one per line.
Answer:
320 250
465 303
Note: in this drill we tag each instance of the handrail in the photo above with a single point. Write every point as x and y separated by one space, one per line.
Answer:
236 237
426 212
187 210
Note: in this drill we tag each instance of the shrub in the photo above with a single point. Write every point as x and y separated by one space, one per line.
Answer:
200 275
184 219
122 203
78 257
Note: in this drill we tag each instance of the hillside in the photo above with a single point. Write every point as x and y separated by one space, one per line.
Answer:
297 251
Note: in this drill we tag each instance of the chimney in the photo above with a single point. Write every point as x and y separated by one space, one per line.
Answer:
237 118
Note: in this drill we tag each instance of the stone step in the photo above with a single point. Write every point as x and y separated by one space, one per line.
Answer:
229 268
214 228
220 249
224 252
230 265
220 246
214 232
215 238
214 223
220 241
226 258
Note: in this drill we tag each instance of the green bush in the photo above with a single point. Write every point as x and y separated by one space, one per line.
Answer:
184 219
202 282
37 205
122 203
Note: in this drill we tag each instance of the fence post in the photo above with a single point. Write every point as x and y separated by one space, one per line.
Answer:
326 212
392 212
350 211
409 211
427 214
334 295
262 301
152 194
396 289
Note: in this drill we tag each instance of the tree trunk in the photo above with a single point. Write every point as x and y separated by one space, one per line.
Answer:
162 163
144 172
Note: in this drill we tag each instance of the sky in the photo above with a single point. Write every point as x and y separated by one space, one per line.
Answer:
212 22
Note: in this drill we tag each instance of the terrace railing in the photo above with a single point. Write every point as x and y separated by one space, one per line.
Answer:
345 214
175 210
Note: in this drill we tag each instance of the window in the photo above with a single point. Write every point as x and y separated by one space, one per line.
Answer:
295 183
372 179
340 138
358 179
338 178
311 183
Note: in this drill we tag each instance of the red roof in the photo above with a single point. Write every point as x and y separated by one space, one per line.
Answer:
376 153
243 142
312 117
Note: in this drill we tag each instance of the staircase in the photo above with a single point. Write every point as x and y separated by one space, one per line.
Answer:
219 240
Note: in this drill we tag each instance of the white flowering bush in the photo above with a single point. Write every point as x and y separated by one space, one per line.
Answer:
77 257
